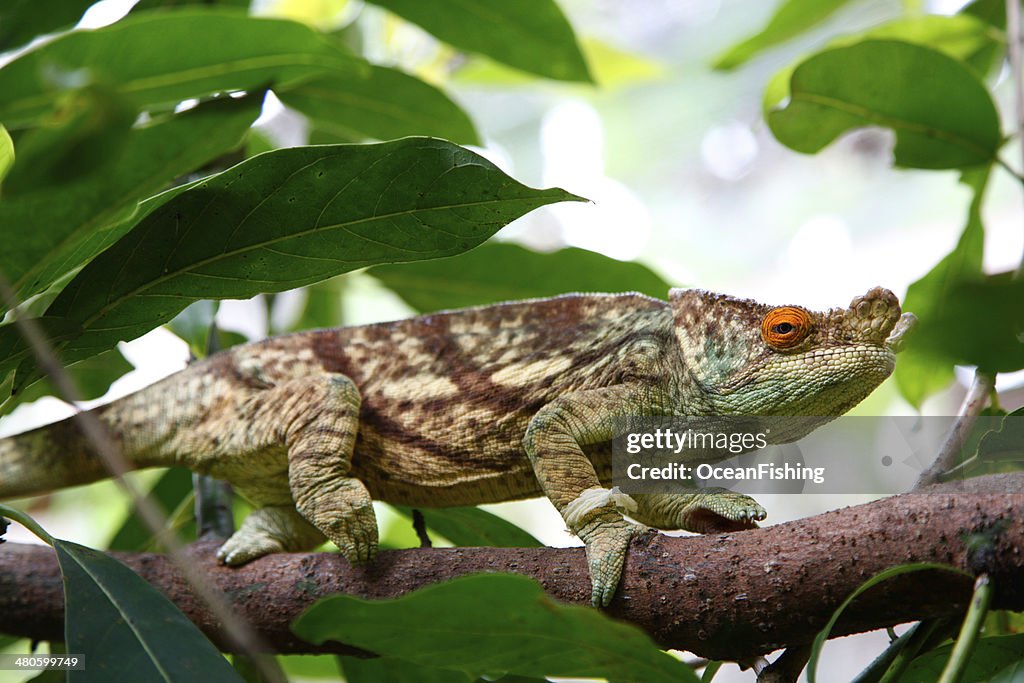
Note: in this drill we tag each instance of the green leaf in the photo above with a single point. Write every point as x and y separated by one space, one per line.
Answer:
1013 673
388 669
884 575
792 18
960 36
6 152
491 624
227 50
532 35
382 104
92 377
506 272
991 655
88 128
473 527
992 12
920 373
710 671
978 323
941 112
288 218
1006 442
23 20
302 667
14 349
67 233
173 487
126 629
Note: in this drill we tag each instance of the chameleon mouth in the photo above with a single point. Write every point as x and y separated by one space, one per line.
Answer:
897 339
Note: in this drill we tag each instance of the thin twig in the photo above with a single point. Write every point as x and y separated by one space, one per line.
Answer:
419 523
967 416
237 630
787 667
212 496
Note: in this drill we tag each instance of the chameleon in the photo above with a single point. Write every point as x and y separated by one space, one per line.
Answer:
478 405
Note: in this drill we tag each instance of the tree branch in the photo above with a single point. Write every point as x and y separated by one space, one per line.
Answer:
725 596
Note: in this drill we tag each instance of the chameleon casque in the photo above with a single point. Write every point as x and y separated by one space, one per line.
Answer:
474 406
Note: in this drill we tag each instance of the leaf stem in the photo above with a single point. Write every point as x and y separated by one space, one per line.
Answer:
1005 165
972 625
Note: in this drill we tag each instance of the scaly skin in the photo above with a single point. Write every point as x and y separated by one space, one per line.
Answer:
477 406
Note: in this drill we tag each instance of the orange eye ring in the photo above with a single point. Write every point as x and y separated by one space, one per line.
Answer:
785 327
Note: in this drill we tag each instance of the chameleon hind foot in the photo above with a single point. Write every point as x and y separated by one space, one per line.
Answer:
343 511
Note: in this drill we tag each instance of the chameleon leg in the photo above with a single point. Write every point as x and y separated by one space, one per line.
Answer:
706 511
319 459
554 442
271 529
310 424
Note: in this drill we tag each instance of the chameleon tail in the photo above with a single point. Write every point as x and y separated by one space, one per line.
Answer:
51 457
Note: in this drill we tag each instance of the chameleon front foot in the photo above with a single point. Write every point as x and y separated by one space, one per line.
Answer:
607 542
720 510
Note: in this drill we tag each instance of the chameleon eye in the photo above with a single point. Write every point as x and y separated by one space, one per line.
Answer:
785 327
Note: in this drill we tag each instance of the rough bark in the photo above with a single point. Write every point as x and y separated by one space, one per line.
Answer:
726 596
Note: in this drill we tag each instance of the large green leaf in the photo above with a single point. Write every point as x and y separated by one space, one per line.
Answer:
920 372
792 18
126 629
492 624
142 57
505 272
380 103
991 655
88 129
961 36
532 35
55 237
978 323
941 112
288 218
23 20
473 527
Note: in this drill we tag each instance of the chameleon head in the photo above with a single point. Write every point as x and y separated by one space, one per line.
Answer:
753 359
